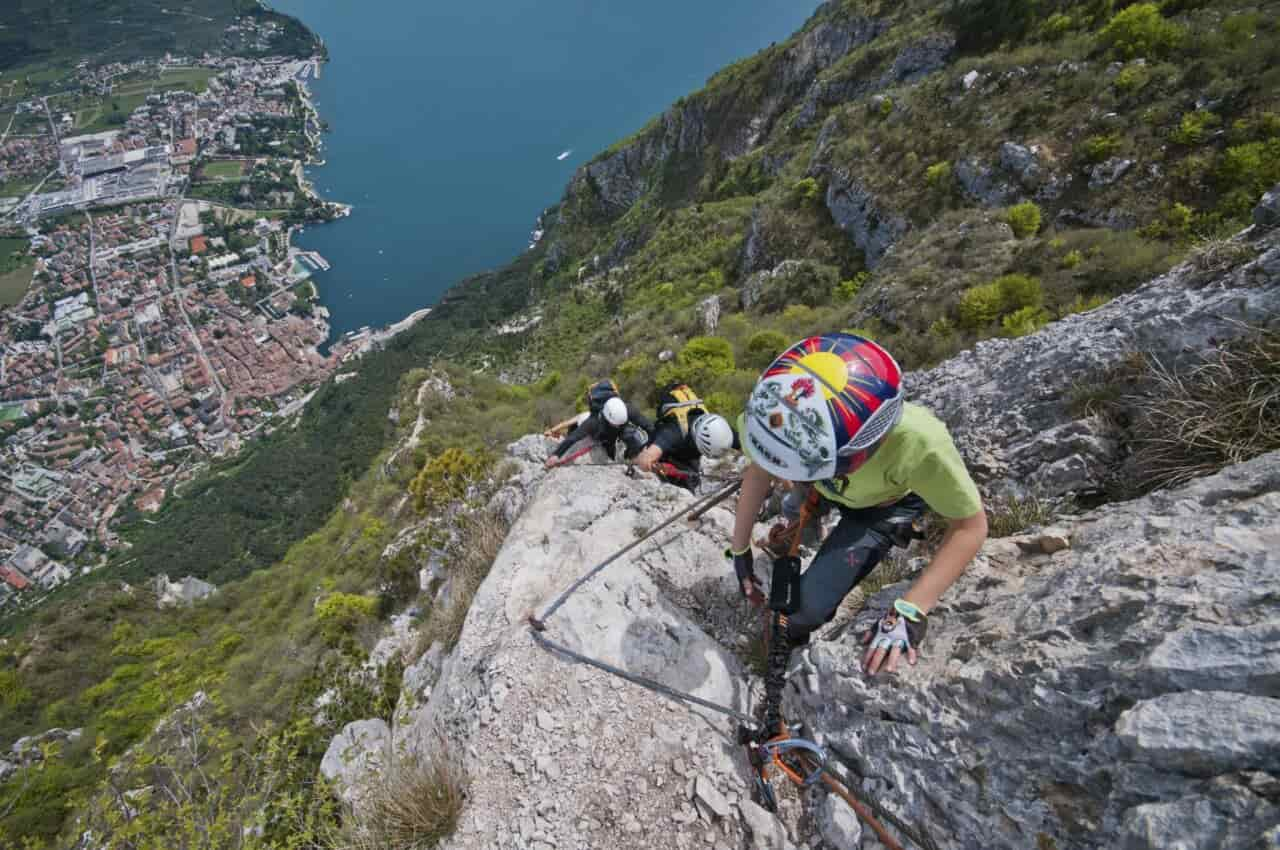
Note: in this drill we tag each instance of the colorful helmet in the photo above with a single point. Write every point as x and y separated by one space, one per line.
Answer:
712 434
823 407
615 412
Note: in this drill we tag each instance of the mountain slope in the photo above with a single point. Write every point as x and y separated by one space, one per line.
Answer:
860 174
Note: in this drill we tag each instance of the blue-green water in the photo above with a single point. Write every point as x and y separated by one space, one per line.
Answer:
446 120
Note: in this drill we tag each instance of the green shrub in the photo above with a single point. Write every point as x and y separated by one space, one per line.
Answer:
1195 127
702 359
938 175
763 347
1056 26
981 305
1096 149
886 107
847 290
339 614
1071 259
1245 172
447 476
1081 304
1132 78
1024 321
806 191
1140 30
1024 218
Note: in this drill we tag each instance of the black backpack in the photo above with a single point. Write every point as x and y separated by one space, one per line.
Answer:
600 392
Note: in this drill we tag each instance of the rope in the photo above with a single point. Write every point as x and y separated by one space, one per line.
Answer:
594 571
538 625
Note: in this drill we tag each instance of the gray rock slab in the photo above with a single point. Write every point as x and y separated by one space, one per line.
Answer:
1203 733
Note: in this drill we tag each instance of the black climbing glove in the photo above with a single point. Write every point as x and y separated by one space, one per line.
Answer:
744 568
901 628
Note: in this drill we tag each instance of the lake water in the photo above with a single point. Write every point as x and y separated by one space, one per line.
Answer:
447 119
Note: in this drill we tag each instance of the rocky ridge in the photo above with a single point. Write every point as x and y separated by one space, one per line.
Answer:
1109 681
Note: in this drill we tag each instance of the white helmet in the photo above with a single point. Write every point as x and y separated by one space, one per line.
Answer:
713 434
615 412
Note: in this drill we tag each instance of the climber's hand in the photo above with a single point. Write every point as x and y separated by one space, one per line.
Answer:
902 627
744 568
551 463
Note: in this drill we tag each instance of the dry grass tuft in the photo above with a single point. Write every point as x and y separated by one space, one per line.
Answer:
414 804
1192 421
1007 515
480 537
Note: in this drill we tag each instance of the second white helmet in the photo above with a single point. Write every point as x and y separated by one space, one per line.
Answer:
713 434
615 412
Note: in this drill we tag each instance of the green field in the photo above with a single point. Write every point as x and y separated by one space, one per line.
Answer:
10 412
223 170
15 270
17 187
95 114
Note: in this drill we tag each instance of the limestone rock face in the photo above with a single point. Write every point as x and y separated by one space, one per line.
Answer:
354 756
1006 401
567 755
184 591
859 214
1059 695
620 178
1267 212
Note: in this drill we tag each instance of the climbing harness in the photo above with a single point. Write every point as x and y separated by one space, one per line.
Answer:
802 761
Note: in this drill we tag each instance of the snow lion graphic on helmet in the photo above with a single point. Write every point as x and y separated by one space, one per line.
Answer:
823 407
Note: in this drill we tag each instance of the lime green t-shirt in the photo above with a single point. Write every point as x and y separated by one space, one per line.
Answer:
918 457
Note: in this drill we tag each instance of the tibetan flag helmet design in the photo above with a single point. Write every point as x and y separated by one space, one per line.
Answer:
823 407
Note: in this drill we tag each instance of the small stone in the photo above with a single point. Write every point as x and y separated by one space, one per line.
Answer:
766 832
546 722
837 823
707 791
517 765
969 80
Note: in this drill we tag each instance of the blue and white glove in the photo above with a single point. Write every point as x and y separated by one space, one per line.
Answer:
901 628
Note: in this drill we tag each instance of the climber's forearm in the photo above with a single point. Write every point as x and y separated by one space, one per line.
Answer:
960 544
755 489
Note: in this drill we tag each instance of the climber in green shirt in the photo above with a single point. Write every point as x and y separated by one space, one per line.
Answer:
829 417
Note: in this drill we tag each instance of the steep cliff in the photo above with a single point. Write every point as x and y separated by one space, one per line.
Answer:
1108 681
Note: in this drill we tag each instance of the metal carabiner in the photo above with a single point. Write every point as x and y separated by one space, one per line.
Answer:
776 749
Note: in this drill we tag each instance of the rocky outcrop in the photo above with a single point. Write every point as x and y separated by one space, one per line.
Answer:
569 756
913 62
857 212
1080 699
184 591
1267 212
789 282
1006 400
622 176
355 757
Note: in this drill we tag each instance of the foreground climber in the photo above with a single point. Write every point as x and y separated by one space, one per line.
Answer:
607 421
685 432
829 413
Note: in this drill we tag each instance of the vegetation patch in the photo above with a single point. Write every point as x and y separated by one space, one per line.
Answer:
1188 420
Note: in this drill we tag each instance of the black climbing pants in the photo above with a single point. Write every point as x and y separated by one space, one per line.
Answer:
857 544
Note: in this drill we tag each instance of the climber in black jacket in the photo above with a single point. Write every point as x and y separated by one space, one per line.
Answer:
685 433
609 420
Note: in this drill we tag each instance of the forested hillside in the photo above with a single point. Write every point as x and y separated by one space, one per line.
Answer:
47 32
931 174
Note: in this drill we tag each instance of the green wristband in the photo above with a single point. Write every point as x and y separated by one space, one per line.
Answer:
908 610
729 553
